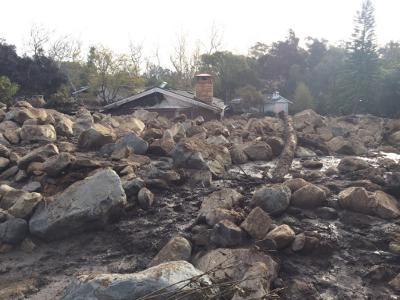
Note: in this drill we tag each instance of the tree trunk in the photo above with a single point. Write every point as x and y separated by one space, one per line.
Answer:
287 155
308 142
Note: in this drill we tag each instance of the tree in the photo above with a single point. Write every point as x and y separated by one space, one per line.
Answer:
136 57
302 98
7 89
251 97
39 37
110 75
360 78
215 39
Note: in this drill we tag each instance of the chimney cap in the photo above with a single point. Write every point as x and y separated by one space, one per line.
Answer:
204 75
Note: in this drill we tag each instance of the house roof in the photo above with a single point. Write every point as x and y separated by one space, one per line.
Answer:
275 97
188 97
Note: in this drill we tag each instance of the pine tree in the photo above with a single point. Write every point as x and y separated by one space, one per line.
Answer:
359 80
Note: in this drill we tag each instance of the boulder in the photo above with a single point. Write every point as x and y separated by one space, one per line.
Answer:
283 235
339 131
358 199
176 132
4 151
138 145
162 147
256 150
238 156
145 198
350 164
175 250
257 223
30 113
33 186
160 281
87 204
65 127
302 152
96 136
218 140
325 133
227 234
121 153
84 120
307 117
4 162
312 164
295 184
13 231
4 141
255 283
13 136
298 242
218 214
152 133
35 133
392 184
133 187
233 264
197 154
144 115
195 130
58 163
7 174
226 198
276 144
309 196
10 196
25 205
273 200
201 178
346 146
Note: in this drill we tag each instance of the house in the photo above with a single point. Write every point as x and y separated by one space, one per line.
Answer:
272 102
276 103
171 103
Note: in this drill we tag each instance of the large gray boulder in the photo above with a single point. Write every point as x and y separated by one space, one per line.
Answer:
346 146
86 204
96 136
37 155
392 184
138 145
227 234
194 153
13 231
35 133
273 200
308 196
160 281
30 113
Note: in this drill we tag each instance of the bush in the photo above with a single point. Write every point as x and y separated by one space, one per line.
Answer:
60 100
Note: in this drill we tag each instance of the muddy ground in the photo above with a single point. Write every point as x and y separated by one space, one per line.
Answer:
353 261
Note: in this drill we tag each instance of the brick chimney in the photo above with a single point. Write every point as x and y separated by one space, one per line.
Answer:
204 87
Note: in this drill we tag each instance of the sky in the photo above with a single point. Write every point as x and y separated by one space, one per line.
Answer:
153 22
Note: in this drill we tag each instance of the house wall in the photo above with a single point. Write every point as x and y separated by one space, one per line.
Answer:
276 107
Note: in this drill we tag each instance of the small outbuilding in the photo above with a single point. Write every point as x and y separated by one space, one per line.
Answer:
276 103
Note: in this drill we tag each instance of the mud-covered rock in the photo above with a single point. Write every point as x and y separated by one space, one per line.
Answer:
225 198
216 215
162 147
145 198
96 136
238 156
37 155
283 235
87 204
175 250
25 205
257 223
307 117
227 234
256 150
346 146
392 184
138 145
360 200
196 154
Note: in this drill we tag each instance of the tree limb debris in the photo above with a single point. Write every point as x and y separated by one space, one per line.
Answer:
287 155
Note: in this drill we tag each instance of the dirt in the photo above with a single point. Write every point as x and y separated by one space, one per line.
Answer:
353 261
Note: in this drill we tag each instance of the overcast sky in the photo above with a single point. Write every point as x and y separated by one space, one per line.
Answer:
115 23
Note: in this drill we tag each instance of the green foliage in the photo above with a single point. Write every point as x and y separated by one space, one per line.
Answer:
7 89
359 79
61 99
251 97
302 98
230 73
